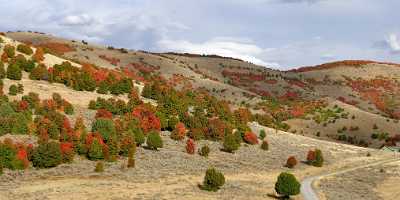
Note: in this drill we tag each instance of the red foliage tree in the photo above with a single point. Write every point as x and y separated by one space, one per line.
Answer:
103 113
22 155
147 119
291 162
67 133
250 138
190 146
49 104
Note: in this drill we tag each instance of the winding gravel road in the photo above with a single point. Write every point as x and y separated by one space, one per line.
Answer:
308 191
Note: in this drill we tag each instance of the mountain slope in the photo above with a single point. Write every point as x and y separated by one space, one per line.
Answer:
363 89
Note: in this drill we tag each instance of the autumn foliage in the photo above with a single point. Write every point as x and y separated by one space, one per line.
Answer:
39 55
147 119
57 47
190 146
179 132
250 138
103 113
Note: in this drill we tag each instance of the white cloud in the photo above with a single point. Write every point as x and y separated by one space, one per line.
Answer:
77 20
393 42
223 46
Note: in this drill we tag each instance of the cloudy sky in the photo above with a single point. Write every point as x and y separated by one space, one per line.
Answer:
276 33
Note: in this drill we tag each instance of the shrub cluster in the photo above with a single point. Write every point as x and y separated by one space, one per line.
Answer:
23 48
13 155
47 155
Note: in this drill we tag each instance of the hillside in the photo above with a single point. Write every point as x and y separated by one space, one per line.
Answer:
364 88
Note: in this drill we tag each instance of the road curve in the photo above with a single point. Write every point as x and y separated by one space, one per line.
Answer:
308 191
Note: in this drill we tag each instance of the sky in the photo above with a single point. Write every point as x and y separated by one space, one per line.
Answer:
280 34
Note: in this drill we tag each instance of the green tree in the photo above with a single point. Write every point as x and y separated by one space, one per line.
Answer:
28 65
86 82
13 90
319 159
231 143
14 72
7 155
154 140
47 155
20 127
103 88
287 185
105 127
213 180
10 51
262 134
95 151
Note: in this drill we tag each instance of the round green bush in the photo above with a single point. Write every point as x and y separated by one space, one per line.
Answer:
287 185
213 180
231 143
14 72
47 155
13 90
204 151
154 140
